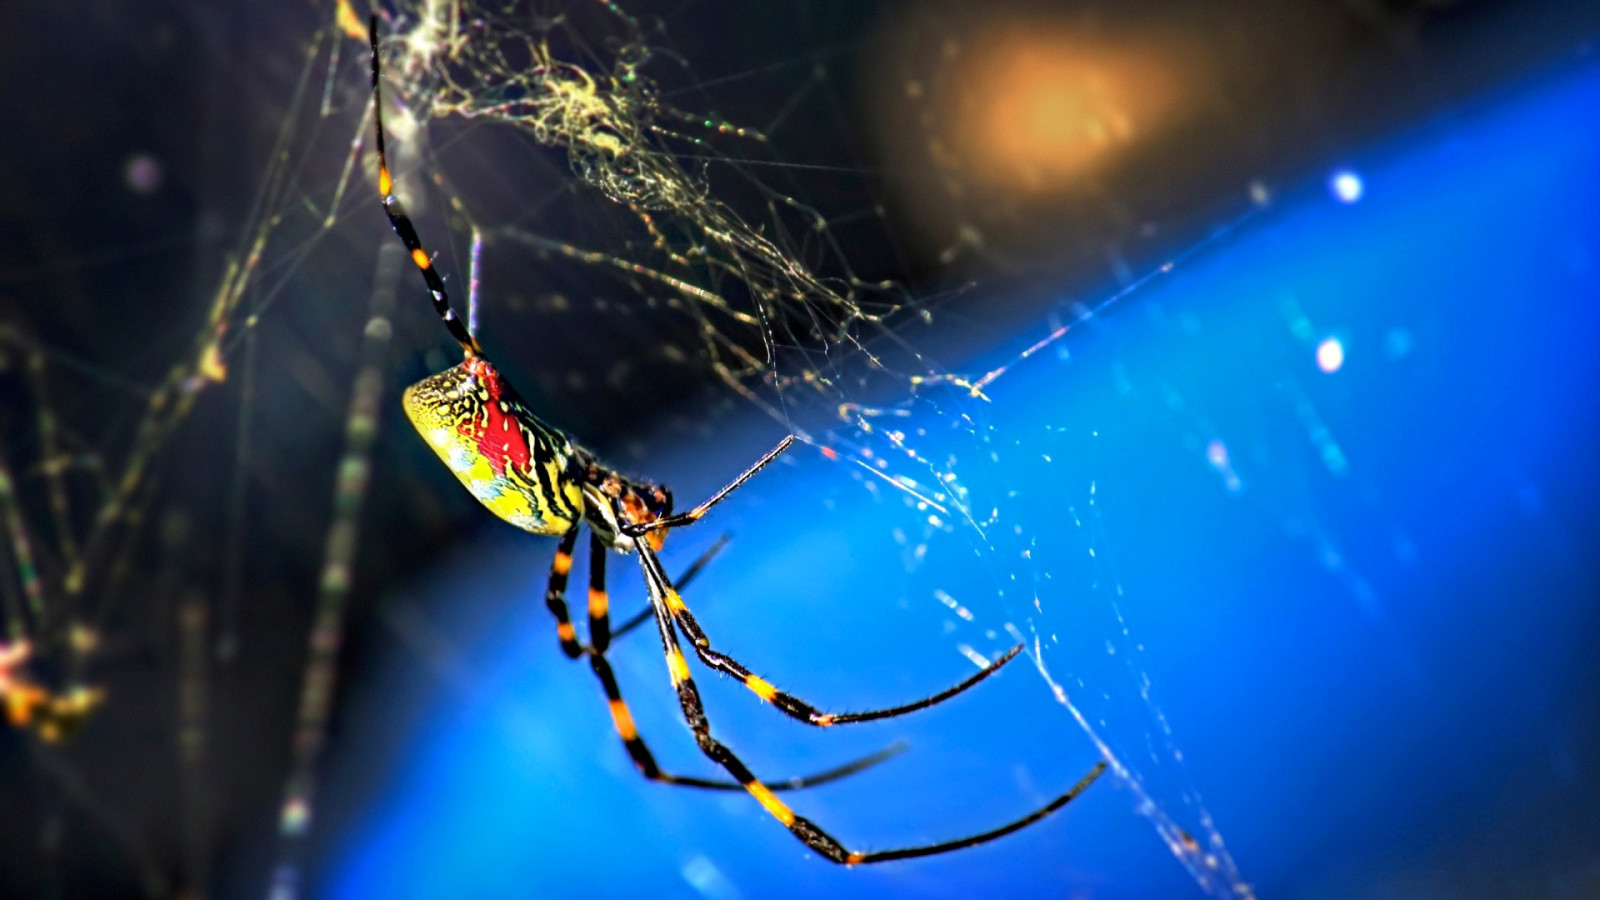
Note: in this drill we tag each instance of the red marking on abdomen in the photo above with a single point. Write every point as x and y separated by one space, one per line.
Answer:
500 438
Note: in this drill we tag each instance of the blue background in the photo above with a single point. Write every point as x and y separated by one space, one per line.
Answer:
1375 654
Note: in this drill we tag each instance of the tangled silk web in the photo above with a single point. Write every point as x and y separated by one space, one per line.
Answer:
623 140
835 365
782 321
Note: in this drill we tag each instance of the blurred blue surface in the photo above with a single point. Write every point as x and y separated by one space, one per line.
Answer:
1364 600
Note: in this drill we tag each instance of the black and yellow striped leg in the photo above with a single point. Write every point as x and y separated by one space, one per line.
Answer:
693 515
682 583
802 828
401 222
555 595
599 603
645 762
600 632
622 718
789 704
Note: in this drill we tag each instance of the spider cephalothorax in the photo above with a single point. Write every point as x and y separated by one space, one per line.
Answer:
618 507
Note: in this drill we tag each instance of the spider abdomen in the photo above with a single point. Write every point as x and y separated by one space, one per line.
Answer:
515 465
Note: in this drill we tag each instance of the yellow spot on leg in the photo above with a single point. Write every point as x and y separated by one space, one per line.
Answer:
623 720
421 259
761 686
565 632
678 666
674 602
770 801
854 858
598 603
825 720
563 563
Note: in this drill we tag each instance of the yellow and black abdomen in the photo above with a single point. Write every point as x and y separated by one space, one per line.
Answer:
513 463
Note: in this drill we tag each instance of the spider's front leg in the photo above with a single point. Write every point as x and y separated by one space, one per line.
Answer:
640 529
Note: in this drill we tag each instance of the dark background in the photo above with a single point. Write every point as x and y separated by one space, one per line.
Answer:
107 284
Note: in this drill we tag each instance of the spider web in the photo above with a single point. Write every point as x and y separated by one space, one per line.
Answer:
780 318
850 232
773 312
753 275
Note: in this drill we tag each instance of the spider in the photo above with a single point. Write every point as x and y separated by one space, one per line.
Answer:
540 480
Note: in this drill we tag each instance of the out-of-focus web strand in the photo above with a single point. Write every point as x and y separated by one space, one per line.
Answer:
53 462
21 557
976 387
169 404
193 711
327 633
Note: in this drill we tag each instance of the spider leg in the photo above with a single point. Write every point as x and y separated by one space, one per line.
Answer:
555 595
402 222
645 762
693 515
622 718
599 623
599 603
802 828
682 581
788 704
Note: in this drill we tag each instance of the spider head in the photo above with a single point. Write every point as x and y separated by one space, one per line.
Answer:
643 503
619 507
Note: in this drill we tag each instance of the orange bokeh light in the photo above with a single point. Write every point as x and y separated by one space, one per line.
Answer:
1033 107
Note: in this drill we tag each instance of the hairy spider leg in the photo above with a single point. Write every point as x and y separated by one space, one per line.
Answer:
644 761
599 603
402 223
682 581
621 716
789 704
802 828
639 529
555 595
